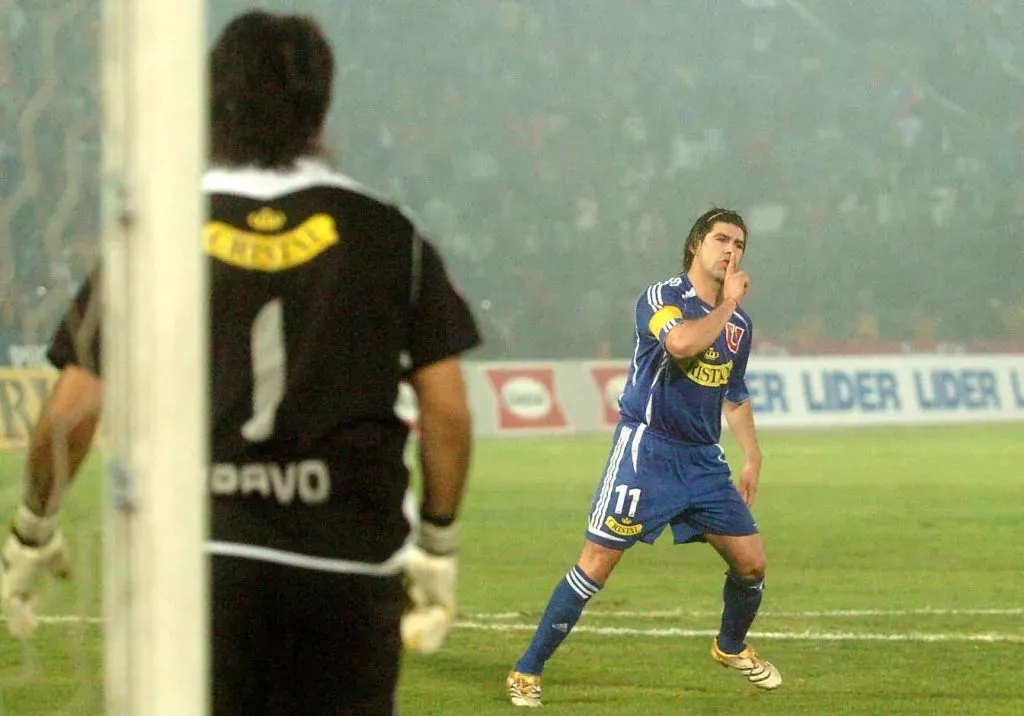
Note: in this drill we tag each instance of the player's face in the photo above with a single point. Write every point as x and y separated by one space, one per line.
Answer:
719 244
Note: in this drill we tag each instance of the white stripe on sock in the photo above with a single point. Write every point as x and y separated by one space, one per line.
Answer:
579 584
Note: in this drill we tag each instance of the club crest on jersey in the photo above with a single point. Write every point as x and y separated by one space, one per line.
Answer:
733 336
266 220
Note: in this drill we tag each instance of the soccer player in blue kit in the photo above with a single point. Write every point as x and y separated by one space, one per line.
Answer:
666 468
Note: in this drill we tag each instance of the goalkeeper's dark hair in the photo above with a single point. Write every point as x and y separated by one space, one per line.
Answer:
703 225
270 87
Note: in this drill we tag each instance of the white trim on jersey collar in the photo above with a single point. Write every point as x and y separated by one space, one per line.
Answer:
266 184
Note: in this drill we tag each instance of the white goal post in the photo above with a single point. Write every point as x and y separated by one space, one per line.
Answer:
153 68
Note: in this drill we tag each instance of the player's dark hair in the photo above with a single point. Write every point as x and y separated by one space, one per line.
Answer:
270 87
703 225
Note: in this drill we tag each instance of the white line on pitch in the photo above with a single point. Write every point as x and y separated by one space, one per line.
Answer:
683 633
668 613
69 619
805 635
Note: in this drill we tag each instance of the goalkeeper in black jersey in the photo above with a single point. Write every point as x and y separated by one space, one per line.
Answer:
323 299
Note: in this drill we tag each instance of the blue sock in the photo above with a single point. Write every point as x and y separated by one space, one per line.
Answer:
560 616
742 598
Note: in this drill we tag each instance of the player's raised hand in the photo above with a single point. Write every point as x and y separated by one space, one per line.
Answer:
736 282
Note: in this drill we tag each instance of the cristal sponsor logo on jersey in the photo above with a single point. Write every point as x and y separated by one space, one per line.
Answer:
711 353
527 398
707 374
270 251
307 481
623 528
733 336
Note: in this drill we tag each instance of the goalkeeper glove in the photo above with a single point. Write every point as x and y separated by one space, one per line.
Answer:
430 584
34 546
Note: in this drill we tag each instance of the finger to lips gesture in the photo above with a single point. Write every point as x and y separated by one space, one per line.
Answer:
736 282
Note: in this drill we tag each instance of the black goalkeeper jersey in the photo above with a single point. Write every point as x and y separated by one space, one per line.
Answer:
323 298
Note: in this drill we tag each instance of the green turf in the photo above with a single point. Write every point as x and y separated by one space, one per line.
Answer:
881 542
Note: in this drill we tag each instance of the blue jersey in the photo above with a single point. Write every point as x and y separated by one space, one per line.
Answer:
682 399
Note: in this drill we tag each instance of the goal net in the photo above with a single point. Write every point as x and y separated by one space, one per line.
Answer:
49 239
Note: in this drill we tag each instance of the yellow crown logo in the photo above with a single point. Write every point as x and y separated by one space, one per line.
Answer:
711 354
266 220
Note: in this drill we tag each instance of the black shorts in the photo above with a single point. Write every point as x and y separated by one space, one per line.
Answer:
295 641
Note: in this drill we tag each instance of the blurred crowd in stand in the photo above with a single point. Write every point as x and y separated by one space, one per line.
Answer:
559 151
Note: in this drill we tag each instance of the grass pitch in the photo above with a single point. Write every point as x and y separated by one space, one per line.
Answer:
895 586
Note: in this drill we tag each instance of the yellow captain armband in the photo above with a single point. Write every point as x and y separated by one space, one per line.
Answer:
662 317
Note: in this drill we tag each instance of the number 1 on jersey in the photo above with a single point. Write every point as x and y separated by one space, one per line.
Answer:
269 366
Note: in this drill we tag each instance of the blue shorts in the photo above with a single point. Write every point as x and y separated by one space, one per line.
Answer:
651 481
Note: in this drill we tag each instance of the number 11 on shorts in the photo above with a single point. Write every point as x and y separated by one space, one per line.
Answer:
620 502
